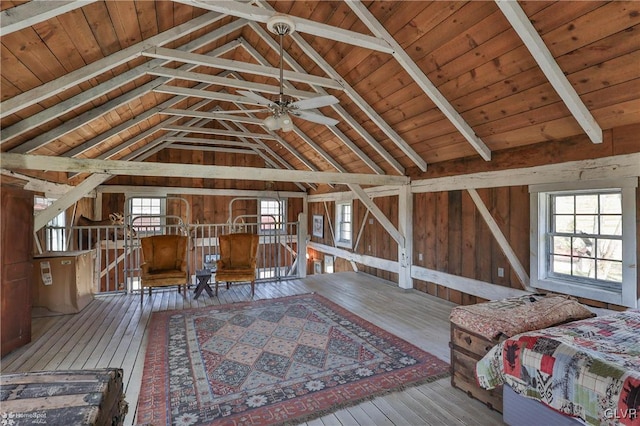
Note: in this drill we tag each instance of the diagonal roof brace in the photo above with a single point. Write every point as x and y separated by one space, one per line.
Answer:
532 40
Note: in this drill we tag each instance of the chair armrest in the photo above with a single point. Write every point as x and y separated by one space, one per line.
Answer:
146 268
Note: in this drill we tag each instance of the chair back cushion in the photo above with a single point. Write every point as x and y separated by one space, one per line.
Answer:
165 252
239 250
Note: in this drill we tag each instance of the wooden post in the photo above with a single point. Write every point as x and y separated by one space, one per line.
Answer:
405 227
302 242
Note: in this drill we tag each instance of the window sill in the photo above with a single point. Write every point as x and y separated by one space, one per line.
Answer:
581 290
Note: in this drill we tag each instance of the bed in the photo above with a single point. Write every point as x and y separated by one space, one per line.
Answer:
589 369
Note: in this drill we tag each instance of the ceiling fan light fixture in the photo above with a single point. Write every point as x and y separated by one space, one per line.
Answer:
281 25
271 123
285 123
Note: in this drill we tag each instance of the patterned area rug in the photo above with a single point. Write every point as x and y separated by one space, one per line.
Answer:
271 361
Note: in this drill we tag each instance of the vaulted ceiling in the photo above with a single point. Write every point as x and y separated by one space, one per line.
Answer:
418 82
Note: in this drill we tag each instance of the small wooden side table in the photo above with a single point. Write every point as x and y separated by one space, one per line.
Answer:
203 276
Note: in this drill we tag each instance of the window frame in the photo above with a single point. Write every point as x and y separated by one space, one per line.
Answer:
627 294
56 226
340 242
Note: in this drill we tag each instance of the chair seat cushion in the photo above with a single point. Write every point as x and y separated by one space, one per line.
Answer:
247 274
166 273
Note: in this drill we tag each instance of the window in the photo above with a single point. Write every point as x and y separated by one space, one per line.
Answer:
55 231
343 224
273 215
147 214
585 243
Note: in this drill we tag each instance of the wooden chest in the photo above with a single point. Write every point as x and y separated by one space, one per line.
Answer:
84 397
467 348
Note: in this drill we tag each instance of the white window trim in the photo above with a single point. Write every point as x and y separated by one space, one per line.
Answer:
339 242
628 296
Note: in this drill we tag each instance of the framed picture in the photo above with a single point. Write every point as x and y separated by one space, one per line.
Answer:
317 266
318 226
328 264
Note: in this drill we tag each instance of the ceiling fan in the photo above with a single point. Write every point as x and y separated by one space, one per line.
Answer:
283 107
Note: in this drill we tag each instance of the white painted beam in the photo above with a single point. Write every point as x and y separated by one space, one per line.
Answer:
614 167
228 82
134 168
372 192
521 273
33 12
470 286
101 66
405 227
174 190
371 261
378 214
540 52
49 189
421 79
247 151
253 13
212 116
219 132
230 65
67 200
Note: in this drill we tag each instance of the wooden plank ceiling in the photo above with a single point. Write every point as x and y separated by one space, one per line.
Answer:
418 82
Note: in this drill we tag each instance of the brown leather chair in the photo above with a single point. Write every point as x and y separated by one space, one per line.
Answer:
165 262
238 257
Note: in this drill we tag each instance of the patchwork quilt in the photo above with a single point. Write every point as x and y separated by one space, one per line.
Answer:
588 369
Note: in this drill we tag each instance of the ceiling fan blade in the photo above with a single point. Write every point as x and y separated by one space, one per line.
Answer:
316 118
260 100
318 102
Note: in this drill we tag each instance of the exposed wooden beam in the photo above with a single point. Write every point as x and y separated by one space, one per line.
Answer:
33 12
466 285
405 228
253 13
614 167
228 82
204 141
247 151
212 116
220 132
67 200
378 214
501 239
230 65
166 190
373 192
540 52
204 94
101 66
374 262
421 79
135 168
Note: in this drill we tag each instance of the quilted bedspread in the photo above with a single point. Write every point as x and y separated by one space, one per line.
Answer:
588 369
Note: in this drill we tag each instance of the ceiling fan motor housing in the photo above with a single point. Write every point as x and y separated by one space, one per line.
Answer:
281 25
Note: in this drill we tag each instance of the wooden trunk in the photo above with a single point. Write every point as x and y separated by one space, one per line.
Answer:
83 397
467 349
17 252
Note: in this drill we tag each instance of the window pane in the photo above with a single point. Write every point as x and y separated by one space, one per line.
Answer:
583 267
610 271
564 224
611 225
611 203
563 204
561 265
561 245
610 249
587 204
583 247
587 224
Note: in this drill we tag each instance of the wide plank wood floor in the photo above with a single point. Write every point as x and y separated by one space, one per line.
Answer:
111 332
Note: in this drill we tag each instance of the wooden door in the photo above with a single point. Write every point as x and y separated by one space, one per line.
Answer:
17 256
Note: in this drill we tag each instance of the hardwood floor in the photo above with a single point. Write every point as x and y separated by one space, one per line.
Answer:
111 332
